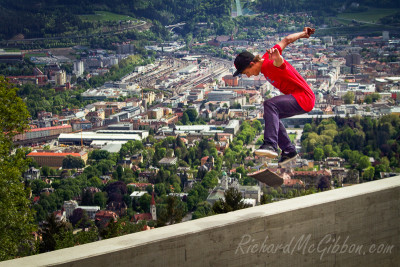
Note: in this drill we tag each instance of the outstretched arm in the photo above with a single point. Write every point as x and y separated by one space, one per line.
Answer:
306 33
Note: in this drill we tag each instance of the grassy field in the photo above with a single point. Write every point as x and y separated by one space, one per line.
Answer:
106 16
372 15
11 50
292 137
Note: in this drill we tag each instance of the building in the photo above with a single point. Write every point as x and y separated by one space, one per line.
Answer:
125 48
60 216
69 207
151 216
103 217
32 174
120 208
153 209
353 60
11 57
138 194
54 159
156 113
385 35
188 70
232 127
195 95
90 211
123 127
168 161
60 77
106 136
252 192
104 105
230 80
217 194
137 158
140 186
219 95
312 178
81 125
78 68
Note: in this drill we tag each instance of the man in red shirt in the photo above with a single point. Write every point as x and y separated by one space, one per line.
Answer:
297 98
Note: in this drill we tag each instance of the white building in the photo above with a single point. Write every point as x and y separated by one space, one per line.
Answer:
356 87
71 205
79 68
60 77
232 127
138 194
189 69
219 95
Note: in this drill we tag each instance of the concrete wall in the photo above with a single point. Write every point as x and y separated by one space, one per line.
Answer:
323 229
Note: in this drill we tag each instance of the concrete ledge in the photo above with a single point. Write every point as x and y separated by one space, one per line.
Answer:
352 226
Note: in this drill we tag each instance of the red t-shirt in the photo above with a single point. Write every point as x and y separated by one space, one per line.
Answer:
288 81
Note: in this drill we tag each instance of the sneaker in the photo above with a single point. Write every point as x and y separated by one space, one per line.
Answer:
287 158
267 150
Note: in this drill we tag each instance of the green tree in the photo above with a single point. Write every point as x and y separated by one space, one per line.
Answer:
100 199
37 186
307 128
368 174
99 154
204 209
51 230
79 218
174 211
16 224
318 154
144 202
84 237
364 162
233 201
45 171
120 171
192 114
71 162
210 179
349 97
185 119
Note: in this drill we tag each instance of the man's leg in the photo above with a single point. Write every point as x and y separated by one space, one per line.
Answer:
277 108
284 142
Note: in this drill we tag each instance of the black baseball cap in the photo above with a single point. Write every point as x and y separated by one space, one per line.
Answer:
242 61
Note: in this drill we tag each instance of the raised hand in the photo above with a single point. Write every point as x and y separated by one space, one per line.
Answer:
273 54
307 31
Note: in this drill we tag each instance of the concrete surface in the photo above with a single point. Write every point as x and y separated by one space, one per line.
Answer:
352 226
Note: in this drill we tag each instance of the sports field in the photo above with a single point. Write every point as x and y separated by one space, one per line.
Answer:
372 15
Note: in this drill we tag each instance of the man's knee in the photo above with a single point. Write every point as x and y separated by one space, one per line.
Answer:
268 104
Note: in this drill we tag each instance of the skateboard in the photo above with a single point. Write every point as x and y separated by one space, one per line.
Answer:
268 177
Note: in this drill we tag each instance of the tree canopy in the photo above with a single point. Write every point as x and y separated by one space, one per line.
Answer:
16 224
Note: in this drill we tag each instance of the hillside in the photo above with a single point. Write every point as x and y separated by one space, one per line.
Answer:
49 18
36 18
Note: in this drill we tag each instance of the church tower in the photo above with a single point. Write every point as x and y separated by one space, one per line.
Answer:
153 210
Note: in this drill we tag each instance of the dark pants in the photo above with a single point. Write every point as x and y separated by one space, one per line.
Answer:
276 108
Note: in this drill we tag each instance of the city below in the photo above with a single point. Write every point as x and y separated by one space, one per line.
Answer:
173 140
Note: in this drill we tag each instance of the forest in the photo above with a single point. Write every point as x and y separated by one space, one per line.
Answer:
356 139
38 18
